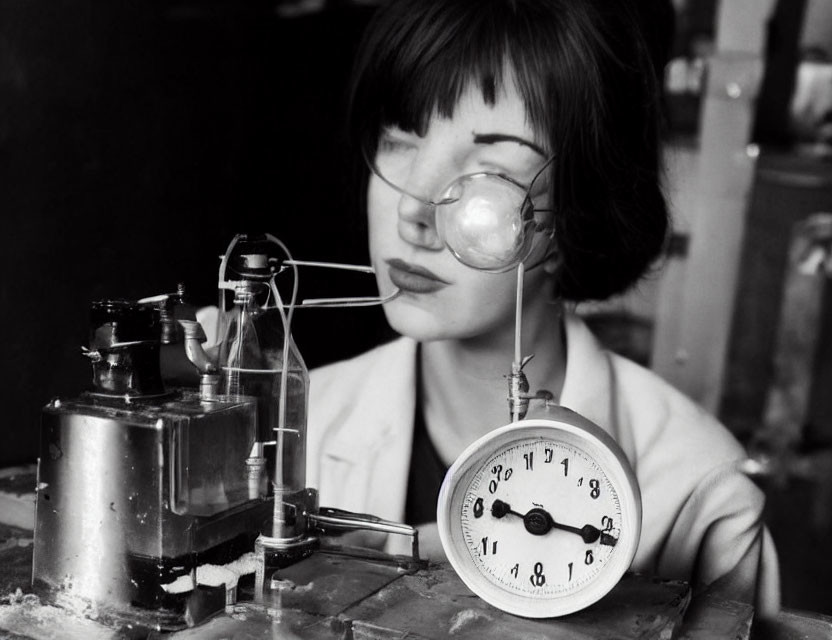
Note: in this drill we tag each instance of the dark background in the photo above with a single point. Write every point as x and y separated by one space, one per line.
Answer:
136 138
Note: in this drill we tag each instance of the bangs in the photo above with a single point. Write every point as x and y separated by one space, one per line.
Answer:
427 77
424 64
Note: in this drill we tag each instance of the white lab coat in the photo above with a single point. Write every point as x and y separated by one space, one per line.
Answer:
702 518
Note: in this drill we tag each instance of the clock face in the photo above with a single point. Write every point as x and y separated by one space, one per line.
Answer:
541 518
524 514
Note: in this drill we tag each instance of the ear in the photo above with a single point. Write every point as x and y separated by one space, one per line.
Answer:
552 259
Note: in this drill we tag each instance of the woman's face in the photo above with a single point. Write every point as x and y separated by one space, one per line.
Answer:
442 298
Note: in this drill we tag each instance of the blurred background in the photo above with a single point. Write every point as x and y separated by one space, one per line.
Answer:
137 137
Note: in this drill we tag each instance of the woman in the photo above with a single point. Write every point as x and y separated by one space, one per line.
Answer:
557 101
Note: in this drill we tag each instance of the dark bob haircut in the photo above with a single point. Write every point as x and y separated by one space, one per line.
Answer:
586 76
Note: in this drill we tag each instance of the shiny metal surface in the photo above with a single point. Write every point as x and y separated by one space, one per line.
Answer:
133 495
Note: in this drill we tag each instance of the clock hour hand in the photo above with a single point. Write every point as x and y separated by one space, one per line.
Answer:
500 509
539 522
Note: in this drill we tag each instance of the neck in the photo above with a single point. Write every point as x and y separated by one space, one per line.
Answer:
464 383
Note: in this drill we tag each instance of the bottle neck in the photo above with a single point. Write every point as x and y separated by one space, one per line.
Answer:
244 294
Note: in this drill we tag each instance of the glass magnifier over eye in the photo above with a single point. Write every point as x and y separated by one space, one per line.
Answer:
487 220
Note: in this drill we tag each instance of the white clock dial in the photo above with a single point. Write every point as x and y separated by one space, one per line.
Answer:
541 517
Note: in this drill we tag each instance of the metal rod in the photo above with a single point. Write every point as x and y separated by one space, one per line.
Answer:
518 316
360 301
330 265
348 523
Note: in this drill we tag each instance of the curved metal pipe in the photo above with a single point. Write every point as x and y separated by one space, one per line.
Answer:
194 337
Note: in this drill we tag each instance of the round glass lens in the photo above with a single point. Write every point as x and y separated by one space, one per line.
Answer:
482 222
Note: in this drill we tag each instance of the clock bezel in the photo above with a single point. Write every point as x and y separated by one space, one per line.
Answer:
561 425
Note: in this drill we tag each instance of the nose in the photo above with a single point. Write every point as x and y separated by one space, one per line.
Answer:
417 223
417 214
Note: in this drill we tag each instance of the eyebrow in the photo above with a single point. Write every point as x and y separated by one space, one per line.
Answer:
493 138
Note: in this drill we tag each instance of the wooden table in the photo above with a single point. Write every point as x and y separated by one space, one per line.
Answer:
330 596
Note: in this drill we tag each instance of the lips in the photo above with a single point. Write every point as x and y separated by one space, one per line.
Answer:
412 278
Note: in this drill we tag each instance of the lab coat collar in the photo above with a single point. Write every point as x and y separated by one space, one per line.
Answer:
588 389
588 386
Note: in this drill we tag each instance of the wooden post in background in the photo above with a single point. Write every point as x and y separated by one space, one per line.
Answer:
691 336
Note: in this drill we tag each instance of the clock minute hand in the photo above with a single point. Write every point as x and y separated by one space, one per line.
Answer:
588 533
539 522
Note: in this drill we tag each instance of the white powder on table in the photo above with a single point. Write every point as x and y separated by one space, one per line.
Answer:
214 575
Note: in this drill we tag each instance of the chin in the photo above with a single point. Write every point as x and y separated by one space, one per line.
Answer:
414 322
429 325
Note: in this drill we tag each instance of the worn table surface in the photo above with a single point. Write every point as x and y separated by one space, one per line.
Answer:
337 597
326 597
322 598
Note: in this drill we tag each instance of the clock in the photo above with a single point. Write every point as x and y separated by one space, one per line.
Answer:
541 518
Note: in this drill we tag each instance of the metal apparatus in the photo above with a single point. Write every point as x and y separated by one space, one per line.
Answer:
139 485
157 485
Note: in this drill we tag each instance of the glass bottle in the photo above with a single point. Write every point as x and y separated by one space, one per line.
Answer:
252 355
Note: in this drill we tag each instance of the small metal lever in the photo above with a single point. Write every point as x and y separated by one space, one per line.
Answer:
331 521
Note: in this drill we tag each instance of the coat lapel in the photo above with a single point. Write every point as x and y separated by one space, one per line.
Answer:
368 445
589 387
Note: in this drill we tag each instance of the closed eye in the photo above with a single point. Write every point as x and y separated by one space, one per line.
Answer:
391 145
396 141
